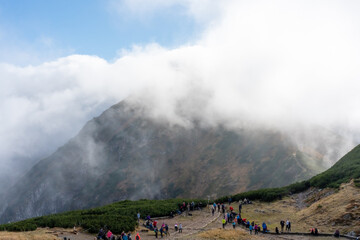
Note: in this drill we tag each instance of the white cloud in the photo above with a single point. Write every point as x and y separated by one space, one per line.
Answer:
200 10
277 63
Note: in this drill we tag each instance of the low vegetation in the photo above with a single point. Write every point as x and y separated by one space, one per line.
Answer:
118 217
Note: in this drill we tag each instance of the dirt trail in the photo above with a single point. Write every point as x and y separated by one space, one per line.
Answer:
191 224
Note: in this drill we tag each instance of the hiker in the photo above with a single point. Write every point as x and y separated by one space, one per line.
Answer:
256 228
161 232
250 229
151 226
228 217
155 223
234 224
337 233
229 200
218 205
264 227
176 227
129 236
223 222
212 210
156 232
109 234
101 234
138 217
231 217
316 232
282 224
240 207
180 228
289 226
137 236
223 208
124 237
238 219
167 229
277 230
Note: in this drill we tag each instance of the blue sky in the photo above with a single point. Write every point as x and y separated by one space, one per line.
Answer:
42 30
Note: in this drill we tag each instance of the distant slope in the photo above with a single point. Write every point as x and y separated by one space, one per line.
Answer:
347 168
123 154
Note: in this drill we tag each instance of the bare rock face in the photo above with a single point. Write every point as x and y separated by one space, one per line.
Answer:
123 154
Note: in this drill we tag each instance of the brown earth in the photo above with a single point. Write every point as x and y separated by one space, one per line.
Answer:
39 234
325 209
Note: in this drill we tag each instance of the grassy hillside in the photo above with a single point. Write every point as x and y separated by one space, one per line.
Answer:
118 217
328 210
347 168
344 170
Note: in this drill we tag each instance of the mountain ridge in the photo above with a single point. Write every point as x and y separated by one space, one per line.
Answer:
124 154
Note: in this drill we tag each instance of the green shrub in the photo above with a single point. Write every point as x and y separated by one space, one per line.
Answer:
119 216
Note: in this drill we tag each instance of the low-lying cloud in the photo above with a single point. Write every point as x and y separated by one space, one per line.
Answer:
281 64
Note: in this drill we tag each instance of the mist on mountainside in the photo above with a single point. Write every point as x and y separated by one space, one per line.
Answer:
125 154
288 67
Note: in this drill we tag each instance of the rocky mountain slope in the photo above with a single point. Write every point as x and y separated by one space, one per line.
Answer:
123 154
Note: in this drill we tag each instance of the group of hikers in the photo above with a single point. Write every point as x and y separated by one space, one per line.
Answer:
233 218
282 224
164 228
108 235
229 217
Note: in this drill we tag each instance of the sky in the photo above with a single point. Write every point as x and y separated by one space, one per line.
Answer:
287 65
36 31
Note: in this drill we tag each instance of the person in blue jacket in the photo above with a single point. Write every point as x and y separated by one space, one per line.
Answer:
264 227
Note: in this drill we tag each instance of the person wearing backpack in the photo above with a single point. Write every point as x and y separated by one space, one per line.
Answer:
137 237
